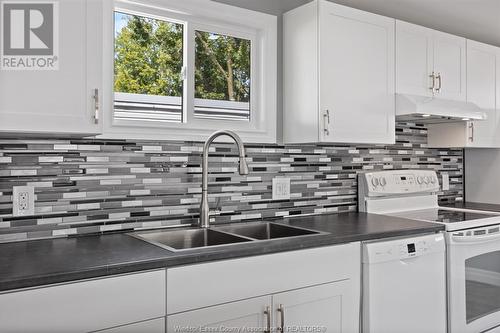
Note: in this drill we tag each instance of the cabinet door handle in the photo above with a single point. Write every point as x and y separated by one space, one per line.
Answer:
440 81
471 127
433 78
281 310
96 106
267 312
326 122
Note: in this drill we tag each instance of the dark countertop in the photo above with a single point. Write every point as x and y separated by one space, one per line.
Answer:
475 206
41 262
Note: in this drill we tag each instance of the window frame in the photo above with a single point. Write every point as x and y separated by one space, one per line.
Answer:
205 15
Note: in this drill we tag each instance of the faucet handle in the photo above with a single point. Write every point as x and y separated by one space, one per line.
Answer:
215 212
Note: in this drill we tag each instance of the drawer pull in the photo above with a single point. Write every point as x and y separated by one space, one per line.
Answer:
326 119
281 310
267 312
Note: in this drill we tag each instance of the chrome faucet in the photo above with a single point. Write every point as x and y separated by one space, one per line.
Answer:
243 170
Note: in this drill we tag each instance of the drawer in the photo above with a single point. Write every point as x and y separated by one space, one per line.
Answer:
148 326
84 306
201 285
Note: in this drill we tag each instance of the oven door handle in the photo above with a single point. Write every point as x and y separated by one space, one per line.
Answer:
474 239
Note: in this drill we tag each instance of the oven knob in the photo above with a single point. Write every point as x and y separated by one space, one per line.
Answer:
383 181
420 179
375 182
426 180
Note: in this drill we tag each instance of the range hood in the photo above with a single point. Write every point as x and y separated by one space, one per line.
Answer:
431 110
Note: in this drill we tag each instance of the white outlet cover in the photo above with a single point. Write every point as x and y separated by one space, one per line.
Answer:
281 188
23 200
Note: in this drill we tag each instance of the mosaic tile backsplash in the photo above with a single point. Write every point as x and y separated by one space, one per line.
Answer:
94 186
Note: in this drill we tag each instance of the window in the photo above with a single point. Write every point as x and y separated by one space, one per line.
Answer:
184 71
222 76
148 68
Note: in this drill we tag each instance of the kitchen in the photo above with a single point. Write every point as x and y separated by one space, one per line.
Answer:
249 165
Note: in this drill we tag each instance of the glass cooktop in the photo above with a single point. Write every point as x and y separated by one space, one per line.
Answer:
452 216
444 215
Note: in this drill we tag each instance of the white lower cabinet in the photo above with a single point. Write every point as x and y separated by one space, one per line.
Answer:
251 314
86 306
148 326
314 290
324 308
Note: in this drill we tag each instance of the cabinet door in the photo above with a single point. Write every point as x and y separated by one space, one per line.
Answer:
60 101
85 306
148 326
325 308
450 66
481 90
356 69
414 59
250 315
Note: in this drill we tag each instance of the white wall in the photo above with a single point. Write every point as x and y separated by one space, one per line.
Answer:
482 175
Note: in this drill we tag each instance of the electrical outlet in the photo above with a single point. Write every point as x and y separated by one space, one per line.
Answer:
23 200
281 188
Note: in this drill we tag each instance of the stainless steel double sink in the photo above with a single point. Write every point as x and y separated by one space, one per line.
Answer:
186 239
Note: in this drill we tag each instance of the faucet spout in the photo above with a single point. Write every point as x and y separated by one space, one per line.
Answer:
243 170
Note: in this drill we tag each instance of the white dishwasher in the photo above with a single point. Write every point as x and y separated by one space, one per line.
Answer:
404 285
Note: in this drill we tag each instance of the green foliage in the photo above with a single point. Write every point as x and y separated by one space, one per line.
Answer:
149 58
222 67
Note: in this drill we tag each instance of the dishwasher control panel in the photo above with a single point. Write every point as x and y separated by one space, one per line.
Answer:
402 249
413 249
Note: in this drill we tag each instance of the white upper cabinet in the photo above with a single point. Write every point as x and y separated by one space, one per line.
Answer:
483 81
59 99
482 85
338 75
430 62
414 59
450 66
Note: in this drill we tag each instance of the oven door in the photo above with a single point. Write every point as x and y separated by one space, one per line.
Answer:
473 279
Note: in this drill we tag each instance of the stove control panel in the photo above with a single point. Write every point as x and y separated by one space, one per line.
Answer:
398 182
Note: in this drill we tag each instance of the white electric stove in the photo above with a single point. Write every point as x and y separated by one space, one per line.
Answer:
472 242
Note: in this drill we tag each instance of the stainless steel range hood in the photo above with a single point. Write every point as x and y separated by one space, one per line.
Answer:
432 110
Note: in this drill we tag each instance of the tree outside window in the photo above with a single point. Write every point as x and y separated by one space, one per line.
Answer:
148 56
149 61
222 67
